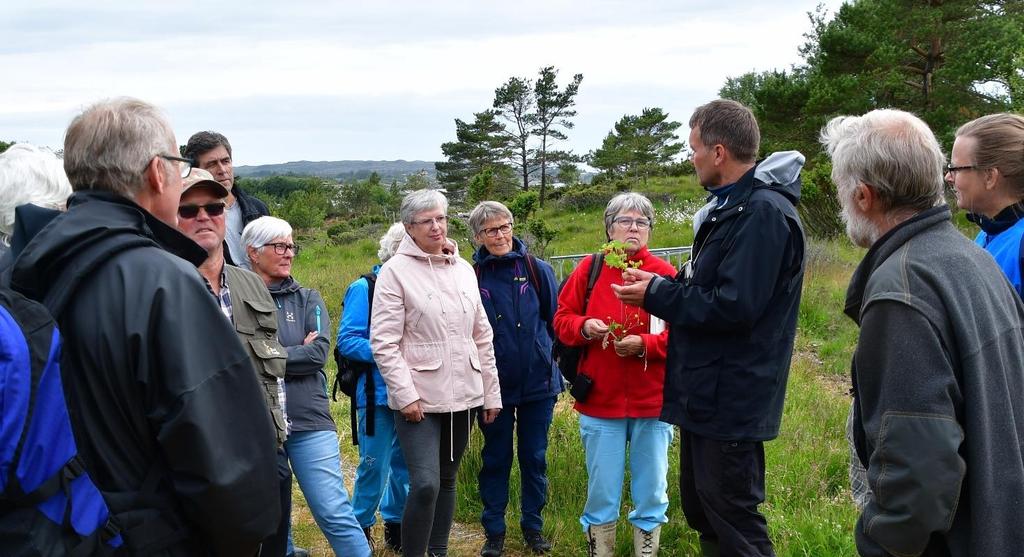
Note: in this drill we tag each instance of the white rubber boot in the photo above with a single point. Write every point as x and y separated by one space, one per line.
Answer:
645 544
601 540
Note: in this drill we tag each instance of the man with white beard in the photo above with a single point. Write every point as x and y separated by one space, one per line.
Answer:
938 372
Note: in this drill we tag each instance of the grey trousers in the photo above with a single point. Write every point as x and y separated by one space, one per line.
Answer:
432 449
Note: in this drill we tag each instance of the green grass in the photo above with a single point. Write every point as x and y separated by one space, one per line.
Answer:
808 502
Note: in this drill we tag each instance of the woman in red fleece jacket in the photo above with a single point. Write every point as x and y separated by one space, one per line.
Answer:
621 411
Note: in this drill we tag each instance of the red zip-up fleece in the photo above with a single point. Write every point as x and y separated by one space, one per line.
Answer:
623 388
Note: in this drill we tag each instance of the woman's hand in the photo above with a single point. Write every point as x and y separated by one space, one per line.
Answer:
630 345
594 328
310 337
413 413
491 414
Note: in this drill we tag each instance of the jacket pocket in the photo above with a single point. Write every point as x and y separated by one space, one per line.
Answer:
700 387
271 357
263 313
428 366
474 359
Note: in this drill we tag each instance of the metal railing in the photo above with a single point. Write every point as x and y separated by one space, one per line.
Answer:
564 264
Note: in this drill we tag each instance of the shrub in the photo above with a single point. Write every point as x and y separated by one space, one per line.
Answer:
819 206
579 198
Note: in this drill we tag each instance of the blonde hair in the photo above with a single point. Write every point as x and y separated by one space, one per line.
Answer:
999 143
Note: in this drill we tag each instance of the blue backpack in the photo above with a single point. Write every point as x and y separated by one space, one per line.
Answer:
49 504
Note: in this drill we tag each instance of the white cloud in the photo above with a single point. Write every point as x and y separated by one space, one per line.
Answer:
623 51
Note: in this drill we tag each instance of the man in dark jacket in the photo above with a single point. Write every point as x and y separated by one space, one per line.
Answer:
937 374
166 409
733 312
211 151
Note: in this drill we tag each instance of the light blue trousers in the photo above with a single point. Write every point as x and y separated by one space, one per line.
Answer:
381 478
607 442
316 464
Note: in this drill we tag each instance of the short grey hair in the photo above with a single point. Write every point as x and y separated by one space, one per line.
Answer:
29 174
389 242
893 151
728 123
110 144
418 201
264 230
485 211
629 201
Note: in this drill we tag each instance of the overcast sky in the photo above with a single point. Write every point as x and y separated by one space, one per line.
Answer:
305 80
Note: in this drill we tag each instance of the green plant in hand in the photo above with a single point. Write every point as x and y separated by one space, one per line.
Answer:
618 331
615 256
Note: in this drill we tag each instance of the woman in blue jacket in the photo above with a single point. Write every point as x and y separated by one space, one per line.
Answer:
986 170
382 477
519 293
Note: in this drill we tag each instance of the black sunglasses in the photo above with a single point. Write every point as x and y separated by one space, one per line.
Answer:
192 211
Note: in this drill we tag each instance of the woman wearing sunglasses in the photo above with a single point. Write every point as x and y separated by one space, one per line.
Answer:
303 327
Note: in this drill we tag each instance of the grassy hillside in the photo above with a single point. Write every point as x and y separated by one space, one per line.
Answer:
808 503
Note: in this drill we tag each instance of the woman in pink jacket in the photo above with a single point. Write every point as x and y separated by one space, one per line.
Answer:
432 342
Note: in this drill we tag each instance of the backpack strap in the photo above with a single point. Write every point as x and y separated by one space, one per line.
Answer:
543 295
370 388
596 260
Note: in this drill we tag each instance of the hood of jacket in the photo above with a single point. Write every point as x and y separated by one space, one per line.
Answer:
97 226
518 251
781 172
286 286
408 247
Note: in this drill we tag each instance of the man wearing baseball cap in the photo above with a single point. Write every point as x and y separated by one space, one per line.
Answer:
246 302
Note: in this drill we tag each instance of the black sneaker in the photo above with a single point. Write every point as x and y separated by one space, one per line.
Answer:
536 542
393 536
494 546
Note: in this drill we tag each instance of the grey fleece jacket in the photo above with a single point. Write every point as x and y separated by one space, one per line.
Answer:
939 389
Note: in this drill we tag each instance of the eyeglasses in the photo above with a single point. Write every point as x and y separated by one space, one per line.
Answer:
627 222
192 211
955 169
494 231
441 220
184 166
282 248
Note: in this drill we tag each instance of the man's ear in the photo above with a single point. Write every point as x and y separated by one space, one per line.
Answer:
720 154
156 180
865 197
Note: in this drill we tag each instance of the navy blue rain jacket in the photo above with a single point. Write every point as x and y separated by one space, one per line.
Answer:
521 319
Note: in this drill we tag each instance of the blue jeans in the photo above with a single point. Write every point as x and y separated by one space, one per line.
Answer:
534 421
605 442
316 464
381 478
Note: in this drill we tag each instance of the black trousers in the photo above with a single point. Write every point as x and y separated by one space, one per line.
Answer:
277 544
722 484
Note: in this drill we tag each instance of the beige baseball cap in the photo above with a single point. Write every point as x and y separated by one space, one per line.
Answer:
200 177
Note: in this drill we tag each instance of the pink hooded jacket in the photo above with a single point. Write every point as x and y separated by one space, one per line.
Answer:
429 332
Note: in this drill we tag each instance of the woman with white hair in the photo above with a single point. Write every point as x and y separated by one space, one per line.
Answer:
381 478
432 342
519 293
626 368
303 329
33 190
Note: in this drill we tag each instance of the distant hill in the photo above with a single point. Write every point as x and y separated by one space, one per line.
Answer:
340 170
